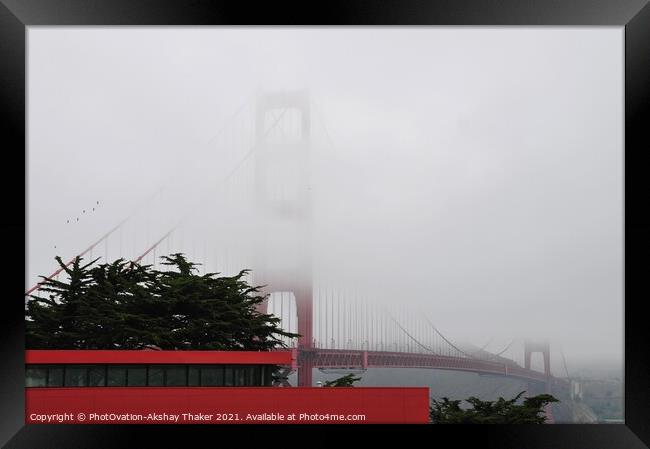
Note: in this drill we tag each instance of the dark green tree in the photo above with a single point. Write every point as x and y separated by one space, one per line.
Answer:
121 295
346 381
124 305
501 411
55 319
210 312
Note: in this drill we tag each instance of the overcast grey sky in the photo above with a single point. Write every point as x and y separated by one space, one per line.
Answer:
473 173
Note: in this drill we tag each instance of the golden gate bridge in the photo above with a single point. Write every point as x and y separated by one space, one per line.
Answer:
265 150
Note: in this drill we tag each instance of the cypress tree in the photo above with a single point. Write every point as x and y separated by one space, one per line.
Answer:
124 305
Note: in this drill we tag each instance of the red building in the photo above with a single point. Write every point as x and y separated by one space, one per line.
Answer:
112 368
108 386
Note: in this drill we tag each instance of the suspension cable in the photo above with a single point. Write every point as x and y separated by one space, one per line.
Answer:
248 154
445 338
409 335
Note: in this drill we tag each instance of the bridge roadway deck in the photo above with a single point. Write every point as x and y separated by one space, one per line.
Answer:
358 359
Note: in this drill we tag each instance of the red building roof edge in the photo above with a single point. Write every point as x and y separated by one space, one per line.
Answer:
59 356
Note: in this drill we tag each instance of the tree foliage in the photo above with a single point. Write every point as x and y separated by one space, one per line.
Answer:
346 381
125 305
501 411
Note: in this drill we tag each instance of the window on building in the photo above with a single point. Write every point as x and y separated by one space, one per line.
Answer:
176 375
229 376
212 376
156 376
97 376
147 375
240 376
194 376
36 377
136 376
76 376
254 375
55 376
116 376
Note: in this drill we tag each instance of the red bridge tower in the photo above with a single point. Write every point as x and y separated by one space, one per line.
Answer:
282 172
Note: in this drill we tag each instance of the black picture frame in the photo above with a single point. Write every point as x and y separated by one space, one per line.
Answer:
634 15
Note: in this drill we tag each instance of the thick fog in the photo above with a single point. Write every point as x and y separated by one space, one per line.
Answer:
469 175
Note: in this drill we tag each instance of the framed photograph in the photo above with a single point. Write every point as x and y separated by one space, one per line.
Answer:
405 213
